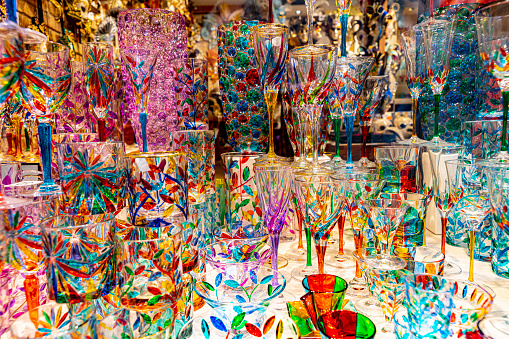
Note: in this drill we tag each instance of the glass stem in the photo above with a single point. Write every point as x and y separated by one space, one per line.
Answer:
271 14
44 130
143 122
444 230
316 136
505 103
9 142
349 122
18 125
344 26
357 238
308 247
302 141
27 140
437 108
365 130
299 221
337 128
415 102
274 246
320 253
341 228
271 107
31 285
101 129
310 7
472 255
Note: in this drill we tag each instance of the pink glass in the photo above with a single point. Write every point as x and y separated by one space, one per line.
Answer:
165 31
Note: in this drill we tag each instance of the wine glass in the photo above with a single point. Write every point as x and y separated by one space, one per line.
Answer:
437 37
386 214
442 193
99 76
139 64
334 98
469 192
373 91
492 23
354 72
44 88
271 51
358 189
312 70
323 201
411 41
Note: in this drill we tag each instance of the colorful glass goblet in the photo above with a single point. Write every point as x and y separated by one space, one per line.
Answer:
358 189
274 183
44 88
353 72
386 214
312 70
271 53
367 306
98 63
139 64
372 94
323 201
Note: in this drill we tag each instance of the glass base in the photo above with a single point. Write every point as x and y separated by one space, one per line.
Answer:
282 262
369 307
32 159
340 261
412 141
388 328
300 273
298 255
437 142
365 162
47 189
334 163
501 156
300 162
352 169
279 302
358 288
275 159
315 169
451 269
385 262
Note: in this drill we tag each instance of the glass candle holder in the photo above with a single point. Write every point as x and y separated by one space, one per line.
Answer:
157 188
80 257
151 266
91 176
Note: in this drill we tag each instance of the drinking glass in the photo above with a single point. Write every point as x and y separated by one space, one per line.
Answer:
389 286
44 88
323 201
437 38
74 118
134 324
429 304
150 265
98 63
63 321
324 293
422 259
139 64
80 254
334 97
469 192
386 215
312 70
345 324
358 189
354 72
274 182
369 306
442 193
412 42
271 52
498 188
372 94
191 87
91 175
398 165
493 38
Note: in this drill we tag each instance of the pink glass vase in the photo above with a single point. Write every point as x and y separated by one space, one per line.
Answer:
165 31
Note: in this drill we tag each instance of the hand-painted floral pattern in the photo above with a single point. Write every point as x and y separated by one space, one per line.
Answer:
80 257
191 87
91 175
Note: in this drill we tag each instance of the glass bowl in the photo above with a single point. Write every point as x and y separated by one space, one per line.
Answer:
236 285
